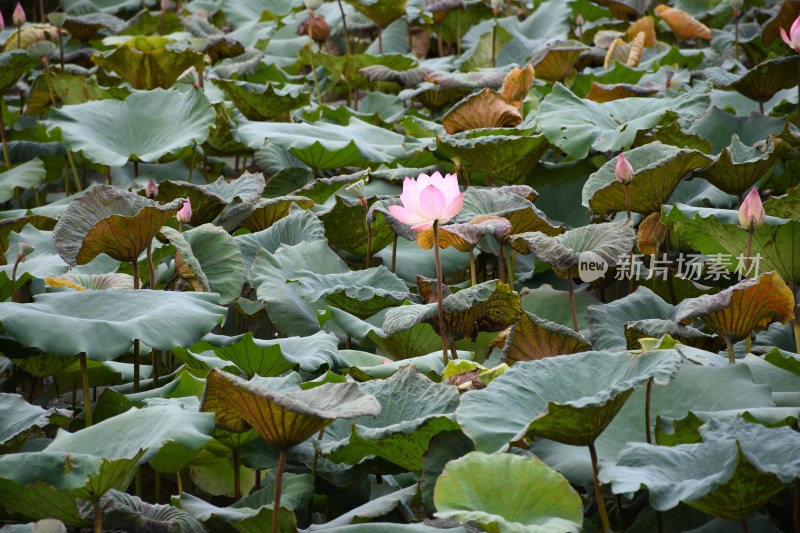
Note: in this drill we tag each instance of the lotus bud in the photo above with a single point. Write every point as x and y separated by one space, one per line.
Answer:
185 213
18 17
624 170
312 4
25 249
151 191
751 212
579 20
320 29
2 22
57 19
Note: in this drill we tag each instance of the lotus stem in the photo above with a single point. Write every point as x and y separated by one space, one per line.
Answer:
71 160
647 404
628 211
61 47
796 327
316 454
311 57
380 41
6 156
179 479
46 63
98 517
572 303
761 107
731 355
453 351
191 167
237 475
796 505
472 274
598 491
798 93
344 27
368 258
439 290
736 37
458 31
394 253
136 346
512 265
501 264
494 42
14 295
19 37
276 506
439 40
745 527
87 402
108 175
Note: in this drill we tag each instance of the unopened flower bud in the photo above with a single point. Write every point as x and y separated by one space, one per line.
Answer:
18 17
751 212
151 191
624 170
25 249
185 213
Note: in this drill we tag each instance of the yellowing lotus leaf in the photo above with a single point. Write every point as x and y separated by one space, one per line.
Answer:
487 109
682 24
517 84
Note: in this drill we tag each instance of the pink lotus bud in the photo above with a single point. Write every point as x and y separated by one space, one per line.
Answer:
624 170
19 15
151 191
2 22
793 39
185 214
579 20
427 199
751 212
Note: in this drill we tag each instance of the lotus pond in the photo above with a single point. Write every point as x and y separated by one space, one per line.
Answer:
400 265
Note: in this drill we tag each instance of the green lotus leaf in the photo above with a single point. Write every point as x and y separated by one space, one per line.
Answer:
212 257
149 62
22 418
606 322
206 205
489 306
764 80
474 488
86 26
739 166
68 89
45 484
126 512
506 202
220 44
28 175
103 324
608 242
321 189
108 220
786 206
254 512
444 447
381 12
263 102
273 357
736 469
365 366
625 9
575 125
433 96
737 311
360 292
504 154
569 399
536 338
719 127
325 146
221 141
555 62
147 126
658 169
346 227
152 23
14 65
401 433
376 508
283 419
655 328
716 231
40 364
93 282
15 225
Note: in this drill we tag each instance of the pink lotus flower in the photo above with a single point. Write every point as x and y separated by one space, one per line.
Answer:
2 22
751 212
151 191
185 214
18 17
793 39
624 171
427 199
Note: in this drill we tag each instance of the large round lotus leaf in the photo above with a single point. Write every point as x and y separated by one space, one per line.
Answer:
576 125
28 175
149 62
655 328
750 305
325 146
739 166
350 69
346 227
85 27
489 306
173 437
569 399
506 202
263 102
212 257
401 433
608 242
737 468
509 493
68 89
21 418
464 237
283 419
359 292
262 214
123 511
13 65
502 153
147 126
381 12
486 109
109 220
765 80
658 169
607 321
555 62
535 338
103 324
717 231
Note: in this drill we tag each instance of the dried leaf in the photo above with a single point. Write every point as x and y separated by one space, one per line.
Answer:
518 84
648 26
682 24
487 109
600 92
635 53
652 233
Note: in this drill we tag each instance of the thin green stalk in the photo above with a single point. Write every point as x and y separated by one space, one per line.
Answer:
628 211
796 327
49 81
316 454
439 290
394 253
276 507
572 303
494 43
501 264
311 57
458 31
747 263
6 156
731 355
647 402
98 517
344 27
136 347
71 160
472 274
598 491
237 475
87 402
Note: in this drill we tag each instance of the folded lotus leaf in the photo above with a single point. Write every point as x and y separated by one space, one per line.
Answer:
109 220
506 154
517 84
221 141
346 227
766 79
21 418
750 305
489 306
149 62
737 468
554 63
739 166
473 488
30 34
220 44
361 293
658 169
67 89
265 212
682 24
651 234
86 27
464 237
569 399
283 419
486 109
533 338
28 175
246 188
609 241
348 69
508 203
124 512
401 433
263 102
147 126
406 78
381 12
13 65
601 92
626 9
93 282
656 328
647 25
